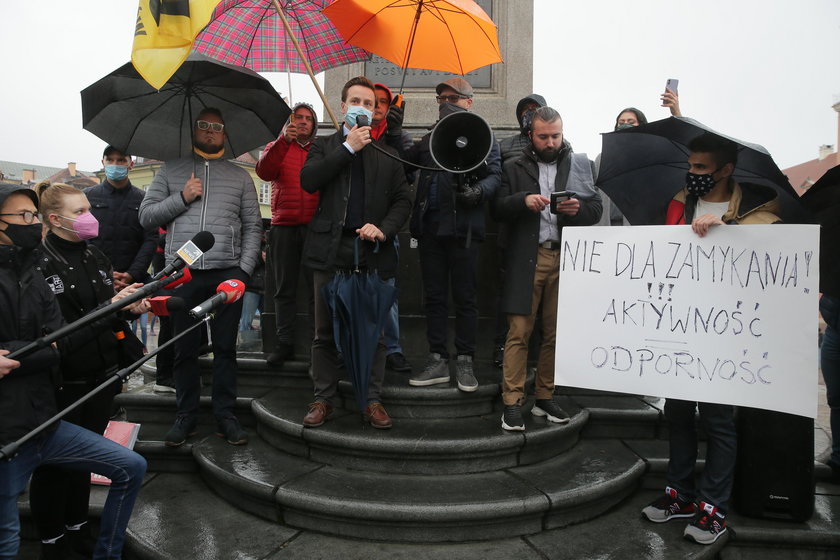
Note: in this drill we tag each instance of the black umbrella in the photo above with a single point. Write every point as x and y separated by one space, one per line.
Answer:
360 302
823 199
125 111
643 167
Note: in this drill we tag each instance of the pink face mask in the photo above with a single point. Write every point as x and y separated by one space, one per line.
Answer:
85 226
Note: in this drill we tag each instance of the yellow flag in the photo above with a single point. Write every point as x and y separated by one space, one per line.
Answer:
164 35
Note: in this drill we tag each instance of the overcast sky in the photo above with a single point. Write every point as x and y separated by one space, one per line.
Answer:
763 71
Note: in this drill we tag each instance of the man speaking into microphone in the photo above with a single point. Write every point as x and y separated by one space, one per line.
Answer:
205 192
364 194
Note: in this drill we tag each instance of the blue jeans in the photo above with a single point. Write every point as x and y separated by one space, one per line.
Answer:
718 421
830 364
78 449
250 303
391 329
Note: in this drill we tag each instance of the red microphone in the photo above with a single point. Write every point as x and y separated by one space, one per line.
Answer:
179 278
228 291
163 306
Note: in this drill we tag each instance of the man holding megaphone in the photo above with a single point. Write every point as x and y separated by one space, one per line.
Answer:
448 224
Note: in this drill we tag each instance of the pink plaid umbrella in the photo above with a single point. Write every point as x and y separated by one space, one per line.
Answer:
277 36
251 33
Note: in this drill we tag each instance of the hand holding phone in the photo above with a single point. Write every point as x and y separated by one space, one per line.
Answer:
558 197
671 85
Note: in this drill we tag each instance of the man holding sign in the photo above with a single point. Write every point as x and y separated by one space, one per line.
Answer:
711 197
546 188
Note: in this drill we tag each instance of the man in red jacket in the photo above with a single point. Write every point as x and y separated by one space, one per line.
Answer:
291 210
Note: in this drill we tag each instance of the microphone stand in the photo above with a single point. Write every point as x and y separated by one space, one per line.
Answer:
145 291
9 450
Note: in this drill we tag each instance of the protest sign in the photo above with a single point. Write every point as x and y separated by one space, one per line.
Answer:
657 310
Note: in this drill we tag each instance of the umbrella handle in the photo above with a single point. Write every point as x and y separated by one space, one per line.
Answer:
356 245
305 62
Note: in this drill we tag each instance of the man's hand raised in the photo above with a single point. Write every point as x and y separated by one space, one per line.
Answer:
192 189
359 137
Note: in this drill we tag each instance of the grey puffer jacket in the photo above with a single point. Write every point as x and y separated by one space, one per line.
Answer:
228 209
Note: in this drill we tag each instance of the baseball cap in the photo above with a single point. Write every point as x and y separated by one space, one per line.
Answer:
459 84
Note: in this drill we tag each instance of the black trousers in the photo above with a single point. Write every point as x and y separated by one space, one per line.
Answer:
223 329
285 249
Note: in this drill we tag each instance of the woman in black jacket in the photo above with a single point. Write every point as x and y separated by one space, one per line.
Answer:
81 277
27 391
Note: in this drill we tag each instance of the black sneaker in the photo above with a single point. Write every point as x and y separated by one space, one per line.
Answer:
464 374
230 429
669 506
164 386
397 362
80 540
59 550
435 371
550 409
183 428
512 418
707 526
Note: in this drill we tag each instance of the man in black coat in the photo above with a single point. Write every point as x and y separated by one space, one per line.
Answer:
448 223
546 165
364 194
115 204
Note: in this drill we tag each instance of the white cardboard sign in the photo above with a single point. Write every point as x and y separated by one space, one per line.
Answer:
657 310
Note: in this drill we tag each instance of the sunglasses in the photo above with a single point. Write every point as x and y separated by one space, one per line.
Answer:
214 126
28 216
451 98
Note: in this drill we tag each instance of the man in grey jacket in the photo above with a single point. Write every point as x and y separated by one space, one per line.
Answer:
204 192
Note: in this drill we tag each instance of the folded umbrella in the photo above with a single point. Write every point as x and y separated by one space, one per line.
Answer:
643 167
360 303
125 111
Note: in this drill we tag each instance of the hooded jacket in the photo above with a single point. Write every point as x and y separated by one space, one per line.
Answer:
228 209
750 204
280 163
512 146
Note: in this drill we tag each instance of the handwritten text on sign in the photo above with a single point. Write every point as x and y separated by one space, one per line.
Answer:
656 310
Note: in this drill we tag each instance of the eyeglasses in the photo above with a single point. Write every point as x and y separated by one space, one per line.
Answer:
28 216
452 98
214 126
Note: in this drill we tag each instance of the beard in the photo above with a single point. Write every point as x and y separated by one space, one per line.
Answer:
209 148
547 155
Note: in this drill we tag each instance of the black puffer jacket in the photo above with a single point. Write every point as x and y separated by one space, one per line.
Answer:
129 245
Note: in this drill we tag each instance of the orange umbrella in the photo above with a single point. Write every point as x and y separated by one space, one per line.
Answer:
454 36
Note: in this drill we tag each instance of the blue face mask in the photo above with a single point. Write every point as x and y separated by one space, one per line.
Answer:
354 111
116 172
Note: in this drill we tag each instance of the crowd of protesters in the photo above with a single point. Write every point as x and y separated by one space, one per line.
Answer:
330 195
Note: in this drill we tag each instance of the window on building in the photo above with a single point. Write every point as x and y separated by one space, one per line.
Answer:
265 193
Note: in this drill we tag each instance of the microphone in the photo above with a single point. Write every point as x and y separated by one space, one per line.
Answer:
228 291
189 252
362 120
179 278
163 306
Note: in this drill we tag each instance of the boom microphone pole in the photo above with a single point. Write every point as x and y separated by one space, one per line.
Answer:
9 450
145 291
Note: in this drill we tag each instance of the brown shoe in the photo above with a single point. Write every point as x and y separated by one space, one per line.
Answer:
318 413
376 415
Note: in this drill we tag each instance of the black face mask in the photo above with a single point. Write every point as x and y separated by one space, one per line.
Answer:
447 108
700 185
525 121
27 237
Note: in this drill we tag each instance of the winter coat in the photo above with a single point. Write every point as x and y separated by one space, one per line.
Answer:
519 179
228 209
387 201
454 219
280 163
749 204
128 245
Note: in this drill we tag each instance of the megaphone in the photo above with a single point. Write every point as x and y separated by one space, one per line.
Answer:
460 142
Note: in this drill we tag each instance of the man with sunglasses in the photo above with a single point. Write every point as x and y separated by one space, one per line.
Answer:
448 223
205 192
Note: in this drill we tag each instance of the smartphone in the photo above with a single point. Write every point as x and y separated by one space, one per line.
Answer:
561 196
672 85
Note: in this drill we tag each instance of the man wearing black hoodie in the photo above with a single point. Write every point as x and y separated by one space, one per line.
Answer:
512 146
